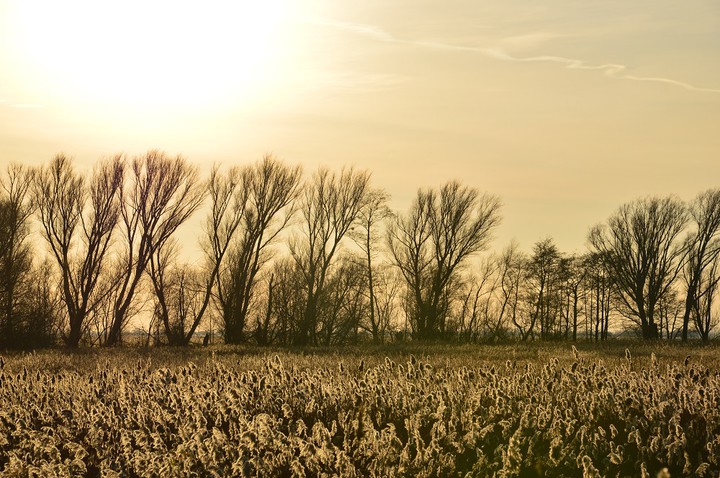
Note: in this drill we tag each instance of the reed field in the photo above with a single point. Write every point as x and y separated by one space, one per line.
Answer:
419 411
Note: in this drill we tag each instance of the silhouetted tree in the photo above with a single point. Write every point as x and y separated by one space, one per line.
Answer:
163 193
78 220
264 326
704 312
703 249
245 207
341 308
511 269
574 291
669 314
543 274
181 294
598 286
265 196
23 320
365 235
15 262
386 291
330 207
640 250
477 301
432 242
289 299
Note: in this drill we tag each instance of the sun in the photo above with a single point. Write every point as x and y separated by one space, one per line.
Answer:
141 53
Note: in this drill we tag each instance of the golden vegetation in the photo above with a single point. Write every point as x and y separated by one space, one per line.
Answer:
287 414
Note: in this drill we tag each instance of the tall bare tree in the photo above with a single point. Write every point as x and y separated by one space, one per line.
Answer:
432 242
703 249
542 286
78 220
575 273
265 328
268 190
704 312
330 207
181 298
343 304
163 193
288 299
386 291
478 317
244 219
15 252
511 269
639 245
366 235
175 286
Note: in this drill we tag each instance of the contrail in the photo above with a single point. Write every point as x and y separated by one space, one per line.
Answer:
611 70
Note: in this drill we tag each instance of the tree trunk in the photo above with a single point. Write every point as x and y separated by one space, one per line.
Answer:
689 301
73 339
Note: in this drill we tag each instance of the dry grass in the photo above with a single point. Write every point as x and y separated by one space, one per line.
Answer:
407 410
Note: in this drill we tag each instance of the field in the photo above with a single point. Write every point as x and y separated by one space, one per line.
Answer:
407 411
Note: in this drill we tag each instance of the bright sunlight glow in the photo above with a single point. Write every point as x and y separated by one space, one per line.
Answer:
139 53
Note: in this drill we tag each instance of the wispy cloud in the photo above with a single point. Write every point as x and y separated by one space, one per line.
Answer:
611 70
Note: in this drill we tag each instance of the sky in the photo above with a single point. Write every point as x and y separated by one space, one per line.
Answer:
565 109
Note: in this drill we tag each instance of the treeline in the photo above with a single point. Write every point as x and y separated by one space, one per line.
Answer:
320 259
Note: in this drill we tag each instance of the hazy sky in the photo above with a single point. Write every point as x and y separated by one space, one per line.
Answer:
565 109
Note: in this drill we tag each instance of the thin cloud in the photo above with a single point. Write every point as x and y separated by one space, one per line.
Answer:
611 70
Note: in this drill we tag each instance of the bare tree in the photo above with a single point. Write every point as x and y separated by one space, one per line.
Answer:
344 303
431 244
164 192
264 325
542 281
511 266
289 299
176 286
704 310
266 194
78 221
365 236
245 218
229 199
640 250
15 253
703 249
597 296
477 297
179 299
669 315
331 206
386 290
574 291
